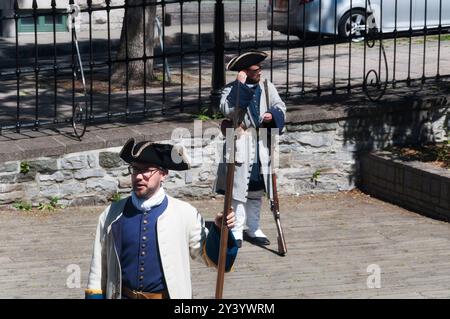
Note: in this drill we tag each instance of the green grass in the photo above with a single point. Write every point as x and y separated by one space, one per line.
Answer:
23 206
315 176
204 116
51 206
24 167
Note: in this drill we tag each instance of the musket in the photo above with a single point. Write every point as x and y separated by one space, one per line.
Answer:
274 203
275 208
231 150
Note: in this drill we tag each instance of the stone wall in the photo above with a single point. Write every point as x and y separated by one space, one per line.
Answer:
314 157
96 177
320 151
325 156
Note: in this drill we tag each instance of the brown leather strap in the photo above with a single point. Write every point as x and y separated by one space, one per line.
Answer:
266 91
134 294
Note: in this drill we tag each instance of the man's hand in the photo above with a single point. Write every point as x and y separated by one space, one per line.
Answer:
230 219
242 77
267 117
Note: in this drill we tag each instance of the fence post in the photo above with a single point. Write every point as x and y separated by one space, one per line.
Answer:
218 71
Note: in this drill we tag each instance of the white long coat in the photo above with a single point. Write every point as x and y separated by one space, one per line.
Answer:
246 144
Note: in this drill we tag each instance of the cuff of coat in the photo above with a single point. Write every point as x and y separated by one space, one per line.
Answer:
278 120
212 247
93 294
245 95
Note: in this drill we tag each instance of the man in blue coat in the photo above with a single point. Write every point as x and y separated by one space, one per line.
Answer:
144 243
254 103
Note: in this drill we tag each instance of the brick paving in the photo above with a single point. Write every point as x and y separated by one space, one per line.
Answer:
332 240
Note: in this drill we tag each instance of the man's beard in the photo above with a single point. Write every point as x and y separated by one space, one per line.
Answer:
252 81
144 194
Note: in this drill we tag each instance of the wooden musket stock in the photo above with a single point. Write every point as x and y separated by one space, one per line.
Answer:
275 207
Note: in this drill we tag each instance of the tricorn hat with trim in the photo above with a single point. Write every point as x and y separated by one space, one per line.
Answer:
170 157
246 60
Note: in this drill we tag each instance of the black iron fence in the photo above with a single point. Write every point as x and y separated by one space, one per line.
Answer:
90 62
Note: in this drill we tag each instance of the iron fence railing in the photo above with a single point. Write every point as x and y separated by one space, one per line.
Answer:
315 47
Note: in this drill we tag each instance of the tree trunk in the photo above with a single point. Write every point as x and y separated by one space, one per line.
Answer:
132 44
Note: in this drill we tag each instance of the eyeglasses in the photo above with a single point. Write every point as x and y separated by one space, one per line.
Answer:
148 171
259 69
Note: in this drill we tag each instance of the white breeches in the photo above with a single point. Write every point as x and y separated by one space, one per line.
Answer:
247 217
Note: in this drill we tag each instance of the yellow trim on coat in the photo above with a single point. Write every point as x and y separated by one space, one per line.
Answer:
93 291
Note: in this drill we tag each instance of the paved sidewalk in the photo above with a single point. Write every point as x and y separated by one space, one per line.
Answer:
332 240
308 73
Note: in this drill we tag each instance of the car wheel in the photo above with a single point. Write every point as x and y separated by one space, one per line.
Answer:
349 25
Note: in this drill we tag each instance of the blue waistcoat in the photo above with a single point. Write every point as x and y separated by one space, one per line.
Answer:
136 242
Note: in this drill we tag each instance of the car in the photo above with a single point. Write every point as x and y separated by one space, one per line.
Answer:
351 15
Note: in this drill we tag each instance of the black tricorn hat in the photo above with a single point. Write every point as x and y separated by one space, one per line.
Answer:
245 60
166 156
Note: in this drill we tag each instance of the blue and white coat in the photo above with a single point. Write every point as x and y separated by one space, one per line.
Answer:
246 148
181 235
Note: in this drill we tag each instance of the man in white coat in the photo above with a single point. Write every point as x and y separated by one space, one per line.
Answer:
143 243
260 113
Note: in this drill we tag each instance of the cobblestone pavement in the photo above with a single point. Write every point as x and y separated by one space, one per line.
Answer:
337 243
